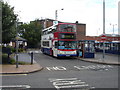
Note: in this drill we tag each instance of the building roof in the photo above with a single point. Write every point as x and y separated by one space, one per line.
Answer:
19 39
112 35
61 21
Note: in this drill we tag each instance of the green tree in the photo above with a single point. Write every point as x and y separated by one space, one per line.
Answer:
8 22
31 32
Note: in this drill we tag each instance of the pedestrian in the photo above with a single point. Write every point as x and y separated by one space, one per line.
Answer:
79 51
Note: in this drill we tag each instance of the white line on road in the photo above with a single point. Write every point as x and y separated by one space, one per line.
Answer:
13 74
59 68
88 67
68 83
15 86
54 79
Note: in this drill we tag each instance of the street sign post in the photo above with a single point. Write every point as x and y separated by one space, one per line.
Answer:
103 38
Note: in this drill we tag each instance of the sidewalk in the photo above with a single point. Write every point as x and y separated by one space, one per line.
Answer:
22 69
110 59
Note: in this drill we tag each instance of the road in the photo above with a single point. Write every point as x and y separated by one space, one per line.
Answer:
65 73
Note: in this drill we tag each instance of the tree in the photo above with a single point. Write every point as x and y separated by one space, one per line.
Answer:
31 32
8 22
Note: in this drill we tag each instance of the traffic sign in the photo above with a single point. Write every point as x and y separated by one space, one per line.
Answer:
55 22
103 37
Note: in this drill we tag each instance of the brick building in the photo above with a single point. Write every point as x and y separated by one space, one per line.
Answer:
81 28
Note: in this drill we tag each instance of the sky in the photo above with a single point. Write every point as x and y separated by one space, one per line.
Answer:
89 12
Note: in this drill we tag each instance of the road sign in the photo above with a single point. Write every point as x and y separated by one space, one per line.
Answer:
55 22
103 37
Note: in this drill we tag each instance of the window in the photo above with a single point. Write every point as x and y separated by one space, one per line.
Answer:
67 28
67 44
56 44
45 43
49 30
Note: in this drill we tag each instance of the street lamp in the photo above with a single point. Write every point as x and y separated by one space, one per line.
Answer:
16 24
103 16
56 14
98 32
113 26
16 44
103 28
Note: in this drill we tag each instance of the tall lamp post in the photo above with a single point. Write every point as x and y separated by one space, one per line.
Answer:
16 24
113 26
56 14
103 16
16 44
103 28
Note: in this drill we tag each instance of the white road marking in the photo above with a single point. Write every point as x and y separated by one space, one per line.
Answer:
15 86
54 79
56 68
13 74
73 86
51 68
89 67
94 67
68 83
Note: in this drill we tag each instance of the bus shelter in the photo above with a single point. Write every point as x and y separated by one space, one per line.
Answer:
110 47
86 48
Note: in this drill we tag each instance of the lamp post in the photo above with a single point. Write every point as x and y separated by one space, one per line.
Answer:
16 45
16 24
103 28
113 26
98 31
56 14
103 16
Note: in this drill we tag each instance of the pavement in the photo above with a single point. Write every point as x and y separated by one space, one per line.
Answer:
35 67
22 69
110 59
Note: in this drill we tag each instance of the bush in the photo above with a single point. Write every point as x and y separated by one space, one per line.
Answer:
6 61
20 50
13 50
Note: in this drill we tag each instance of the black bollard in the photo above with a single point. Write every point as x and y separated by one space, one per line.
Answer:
16 60
9 58
31 57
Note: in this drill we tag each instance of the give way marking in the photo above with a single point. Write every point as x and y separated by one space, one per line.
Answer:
69 83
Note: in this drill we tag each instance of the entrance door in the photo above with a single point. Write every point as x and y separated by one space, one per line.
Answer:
55 48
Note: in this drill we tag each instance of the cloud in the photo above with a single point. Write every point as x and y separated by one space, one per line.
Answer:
89 12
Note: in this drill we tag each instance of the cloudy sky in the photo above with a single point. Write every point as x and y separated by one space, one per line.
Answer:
89 12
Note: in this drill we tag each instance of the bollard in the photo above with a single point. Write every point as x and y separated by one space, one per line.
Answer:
9 58
31 57
16 60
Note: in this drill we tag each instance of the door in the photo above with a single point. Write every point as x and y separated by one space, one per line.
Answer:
55 48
